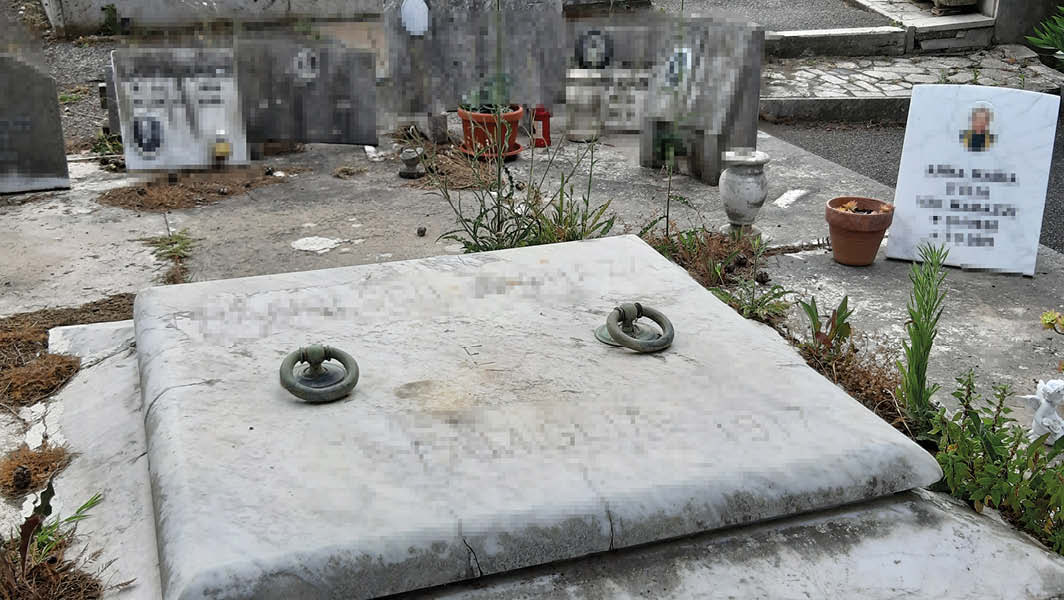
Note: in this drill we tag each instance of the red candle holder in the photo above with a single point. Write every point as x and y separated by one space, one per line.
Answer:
541 127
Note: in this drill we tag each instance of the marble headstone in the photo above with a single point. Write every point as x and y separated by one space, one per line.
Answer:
307 92
32 155
973 176
178 108
437 62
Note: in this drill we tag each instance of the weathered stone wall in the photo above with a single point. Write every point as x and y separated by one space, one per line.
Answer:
73 17
1017 18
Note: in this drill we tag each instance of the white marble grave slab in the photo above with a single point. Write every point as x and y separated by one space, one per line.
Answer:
489 430
983 199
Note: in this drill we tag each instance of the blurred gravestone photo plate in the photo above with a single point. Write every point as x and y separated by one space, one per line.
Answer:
974 170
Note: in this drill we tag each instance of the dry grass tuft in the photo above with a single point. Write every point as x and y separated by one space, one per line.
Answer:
699 251
53 578
347 172
112 308
24 471
21 346
27 372
869 373
446 163
36 380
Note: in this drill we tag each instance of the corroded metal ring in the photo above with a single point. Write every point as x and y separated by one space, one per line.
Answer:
320 381
626 314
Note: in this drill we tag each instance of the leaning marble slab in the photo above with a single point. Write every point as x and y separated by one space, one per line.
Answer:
489 431
98 416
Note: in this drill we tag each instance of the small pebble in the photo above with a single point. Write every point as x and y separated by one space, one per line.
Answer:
421 231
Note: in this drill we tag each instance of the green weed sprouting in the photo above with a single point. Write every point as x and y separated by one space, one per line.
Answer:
748 298
176 246
502 218
827 344
925 308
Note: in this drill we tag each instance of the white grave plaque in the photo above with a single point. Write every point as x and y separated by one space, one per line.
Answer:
973 176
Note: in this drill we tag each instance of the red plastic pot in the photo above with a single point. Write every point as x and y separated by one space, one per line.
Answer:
480 134
855 237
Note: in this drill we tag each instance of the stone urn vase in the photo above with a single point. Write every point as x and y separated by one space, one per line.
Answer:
743 188
857 226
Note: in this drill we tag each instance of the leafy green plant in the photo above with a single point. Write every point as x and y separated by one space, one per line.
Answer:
989 461
569 220
107 144
749 297
70 98
1049 34
1052 319
828 338
925 309
110 24
750 301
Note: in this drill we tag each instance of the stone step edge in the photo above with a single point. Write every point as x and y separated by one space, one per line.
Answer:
885 40
932 23
843 109
854 41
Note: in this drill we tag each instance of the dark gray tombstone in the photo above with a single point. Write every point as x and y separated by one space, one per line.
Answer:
439 68
704 90
32 154
307 91
696 78
111 102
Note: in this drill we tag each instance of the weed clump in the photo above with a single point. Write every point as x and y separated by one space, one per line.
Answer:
35 563
175 248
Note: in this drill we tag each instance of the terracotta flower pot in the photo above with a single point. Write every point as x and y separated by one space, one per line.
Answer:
855 237
480 135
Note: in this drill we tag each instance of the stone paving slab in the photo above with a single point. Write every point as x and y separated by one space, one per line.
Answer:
489 431
882 77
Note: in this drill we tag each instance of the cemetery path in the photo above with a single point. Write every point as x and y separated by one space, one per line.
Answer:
826 77
782 15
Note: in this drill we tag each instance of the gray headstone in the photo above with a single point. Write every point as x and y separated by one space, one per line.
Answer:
457 54
178 108
307 92
705 86
113 123
32 155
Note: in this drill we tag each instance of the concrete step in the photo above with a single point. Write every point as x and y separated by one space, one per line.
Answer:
864 89
912 29
932 33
